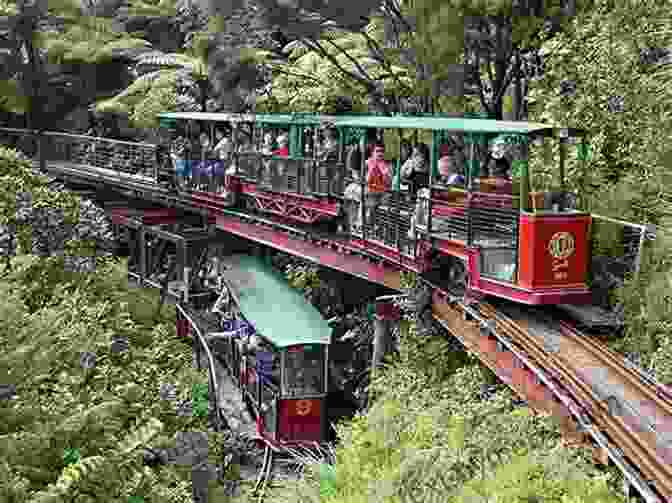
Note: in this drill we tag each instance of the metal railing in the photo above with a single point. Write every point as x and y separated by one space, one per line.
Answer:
625 237
132 158
200 343
391 222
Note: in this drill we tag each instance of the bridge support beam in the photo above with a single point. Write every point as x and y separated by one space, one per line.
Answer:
386 316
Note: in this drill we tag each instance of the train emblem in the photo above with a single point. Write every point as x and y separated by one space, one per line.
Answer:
561 246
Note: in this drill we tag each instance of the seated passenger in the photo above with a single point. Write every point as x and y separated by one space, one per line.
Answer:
415 169
328 157
497 165
179 153
378 180
283 146
281 151
222 152
203 169
449 171
266 150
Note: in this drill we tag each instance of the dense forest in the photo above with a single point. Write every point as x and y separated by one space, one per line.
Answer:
87 360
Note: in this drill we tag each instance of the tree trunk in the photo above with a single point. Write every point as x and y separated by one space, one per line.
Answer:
518 109
379 342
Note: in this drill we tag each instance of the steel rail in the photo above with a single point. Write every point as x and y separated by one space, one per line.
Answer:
630 441
564 396
635 375
212 373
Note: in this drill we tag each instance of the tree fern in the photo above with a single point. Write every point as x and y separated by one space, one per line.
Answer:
140 437
70 477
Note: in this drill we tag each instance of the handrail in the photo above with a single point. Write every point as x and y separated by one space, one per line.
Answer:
211 364
86 137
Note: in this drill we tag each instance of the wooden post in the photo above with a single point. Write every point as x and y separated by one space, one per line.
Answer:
563 153
362 181
386 315
142 255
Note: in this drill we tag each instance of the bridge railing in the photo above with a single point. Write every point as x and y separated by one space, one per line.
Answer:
623 240
132 158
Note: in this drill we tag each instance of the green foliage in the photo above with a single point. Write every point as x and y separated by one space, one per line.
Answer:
145 98
303 277
87 39
440 444
71 456
408 280
199 396
12 98
105 413
600 52
152 8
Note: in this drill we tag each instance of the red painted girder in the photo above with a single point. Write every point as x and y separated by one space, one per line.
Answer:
386 275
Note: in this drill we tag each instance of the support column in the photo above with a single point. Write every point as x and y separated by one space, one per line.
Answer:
185 291
142 255
387 315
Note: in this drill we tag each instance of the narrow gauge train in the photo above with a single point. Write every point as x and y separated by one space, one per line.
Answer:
276 348
464 229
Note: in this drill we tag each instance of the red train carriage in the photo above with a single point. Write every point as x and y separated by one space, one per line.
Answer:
276 347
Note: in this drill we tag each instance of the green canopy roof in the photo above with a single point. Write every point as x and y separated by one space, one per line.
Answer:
444 124
278 312
280 119
434 123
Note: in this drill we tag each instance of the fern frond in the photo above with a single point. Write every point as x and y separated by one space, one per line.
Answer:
71 476
141 436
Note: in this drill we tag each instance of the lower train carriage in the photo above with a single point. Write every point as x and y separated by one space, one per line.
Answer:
276 347
453 203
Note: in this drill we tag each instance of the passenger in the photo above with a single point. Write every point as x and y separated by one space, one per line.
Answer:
497 165
378 180
179 152
353 192
222 152
450 172
415 170
328 158
281 151
283 146
204 170
266 164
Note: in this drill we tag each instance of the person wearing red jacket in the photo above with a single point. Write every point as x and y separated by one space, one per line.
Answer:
378 180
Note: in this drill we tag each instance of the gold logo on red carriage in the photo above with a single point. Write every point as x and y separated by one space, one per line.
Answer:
303 407
561 245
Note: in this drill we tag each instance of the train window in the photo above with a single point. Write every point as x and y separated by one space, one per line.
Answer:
303 373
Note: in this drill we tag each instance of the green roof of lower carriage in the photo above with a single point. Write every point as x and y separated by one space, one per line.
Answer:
277 311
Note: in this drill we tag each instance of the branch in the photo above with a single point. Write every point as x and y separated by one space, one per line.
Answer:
479 83
512 70
374 46
301 76
395 9
311 44
353 60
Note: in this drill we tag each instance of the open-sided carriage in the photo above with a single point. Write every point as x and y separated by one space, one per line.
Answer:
276 346
486 236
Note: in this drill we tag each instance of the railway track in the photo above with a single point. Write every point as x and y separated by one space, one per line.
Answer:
615 404
639 444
